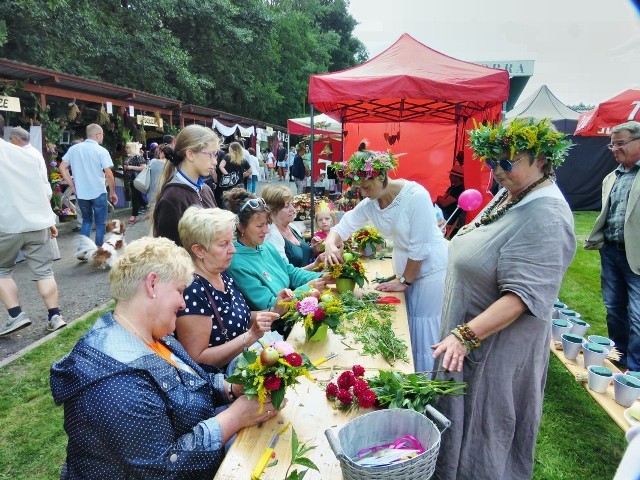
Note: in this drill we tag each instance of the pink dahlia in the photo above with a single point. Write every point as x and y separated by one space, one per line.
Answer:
307 305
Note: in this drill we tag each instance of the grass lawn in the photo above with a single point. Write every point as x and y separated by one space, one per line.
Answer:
577 439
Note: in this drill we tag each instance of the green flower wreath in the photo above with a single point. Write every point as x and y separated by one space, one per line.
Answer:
520 135
364 165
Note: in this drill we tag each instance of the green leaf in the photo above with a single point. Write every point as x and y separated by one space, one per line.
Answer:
294 443
305 462
277 397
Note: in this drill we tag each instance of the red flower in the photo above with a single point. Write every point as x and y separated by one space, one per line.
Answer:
271 382
332 390
367 399
345 397
318 315
358 370
359 387
346 380
293 359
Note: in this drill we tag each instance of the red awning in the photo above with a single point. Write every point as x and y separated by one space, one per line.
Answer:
409 82
619 109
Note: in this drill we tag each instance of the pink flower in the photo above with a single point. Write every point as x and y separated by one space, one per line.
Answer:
307 305
283 347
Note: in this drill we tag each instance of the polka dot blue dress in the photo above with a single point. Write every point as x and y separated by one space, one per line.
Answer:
232 308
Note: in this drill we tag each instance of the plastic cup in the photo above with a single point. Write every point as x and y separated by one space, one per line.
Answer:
625 389
558 327
571 345
578 326
594 354
604 341
568 314
599 378
557 306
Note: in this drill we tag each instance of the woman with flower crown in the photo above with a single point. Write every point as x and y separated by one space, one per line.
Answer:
504 273
402 212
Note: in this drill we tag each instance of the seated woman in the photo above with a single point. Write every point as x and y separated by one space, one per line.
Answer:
135 404
257 267
282 233
216 324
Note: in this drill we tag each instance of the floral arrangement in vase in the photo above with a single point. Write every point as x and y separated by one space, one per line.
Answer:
368 240
351 269
317 312
270 372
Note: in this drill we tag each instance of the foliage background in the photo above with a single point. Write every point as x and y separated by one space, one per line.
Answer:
248 57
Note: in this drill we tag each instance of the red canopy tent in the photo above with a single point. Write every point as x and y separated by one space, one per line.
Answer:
619 109
437 95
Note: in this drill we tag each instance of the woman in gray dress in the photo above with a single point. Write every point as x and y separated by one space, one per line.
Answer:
504 273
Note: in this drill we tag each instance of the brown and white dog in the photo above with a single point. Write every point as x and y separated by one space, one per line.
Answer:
103 257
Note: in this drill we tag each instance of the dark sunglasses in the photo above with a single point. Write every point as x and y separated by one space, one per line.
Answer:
254 204
506 165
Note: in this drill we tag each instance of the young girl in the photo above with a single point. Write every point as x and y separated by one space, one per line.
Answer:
325 219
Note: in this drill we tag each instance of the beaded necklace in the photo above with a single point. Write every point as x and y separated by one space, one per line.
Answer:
497 210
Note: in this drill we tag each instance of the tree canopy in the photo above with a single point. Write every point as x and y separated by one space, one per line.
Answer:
248 57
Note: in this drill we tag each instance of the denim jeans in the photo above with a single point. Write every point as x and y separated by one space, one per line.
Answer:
95 209
253 182
621 296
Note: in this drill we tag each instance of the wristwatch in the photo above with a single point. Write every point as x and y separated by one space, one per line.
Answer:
404 281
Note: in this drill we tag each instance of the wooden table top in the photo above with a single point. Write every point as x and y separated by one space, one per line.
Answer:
308 410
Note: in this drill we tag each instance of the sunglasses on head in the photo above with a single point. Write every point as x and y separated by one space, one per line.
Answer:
254 204
505 164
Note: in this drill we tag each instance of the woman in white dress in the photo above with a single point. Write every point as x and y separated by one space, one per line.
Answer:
403 212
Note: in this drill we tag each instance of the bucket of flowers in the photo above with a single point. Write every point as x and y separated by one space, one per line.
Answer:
368 240
349 273
317 311
270 372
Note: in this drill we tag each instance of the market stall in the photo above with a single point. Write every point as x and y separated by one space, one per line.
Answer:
418 102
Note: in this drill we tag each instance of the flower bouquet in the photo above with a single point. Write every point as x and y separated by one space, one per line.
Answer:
318 313
389 390
349 273
368 240
270 372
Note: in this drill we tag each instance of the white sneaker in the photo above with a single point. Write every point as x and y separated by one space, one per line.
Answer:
14 324
55 323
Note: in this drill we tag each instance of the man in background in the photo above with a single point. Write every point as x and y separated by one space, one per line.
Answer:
27 223
616 234
91 165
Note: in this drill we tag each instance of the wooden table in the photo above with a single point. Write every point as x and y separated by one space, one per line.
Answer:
606 399
308 410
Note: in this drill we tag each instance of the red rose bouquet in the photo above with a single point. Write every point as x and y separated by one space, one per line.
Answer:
351 390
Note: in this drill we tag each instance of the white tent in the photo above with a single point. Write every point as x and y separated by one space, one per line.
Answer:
542 104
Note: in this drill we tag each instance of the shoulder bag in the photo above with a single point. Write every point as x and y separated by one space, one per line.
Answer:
142 182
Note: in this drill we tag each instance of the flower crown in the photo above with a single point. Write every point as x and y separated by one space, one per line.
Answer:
325 207
520 135
365 164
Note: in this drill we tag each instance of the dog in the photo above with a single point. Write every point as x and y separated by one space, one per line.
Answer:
103 257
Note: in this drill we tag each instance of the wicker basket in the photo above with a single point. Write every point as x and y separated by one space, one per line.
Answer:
384 426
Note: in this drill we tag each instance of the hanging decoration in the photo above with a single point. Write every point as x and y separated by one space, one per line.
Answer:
73 111
103 116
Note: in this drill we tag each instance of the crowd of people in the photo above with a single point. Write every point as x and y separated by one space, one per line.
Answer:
144 390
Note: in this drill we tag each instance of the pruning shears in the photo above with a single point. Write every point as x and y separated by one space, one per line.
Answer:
320 361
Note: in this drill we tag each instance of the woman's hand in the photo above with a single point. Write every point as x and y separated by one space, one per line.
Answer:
261 323
245 413
333 252
320 261
454 352
392 286
284 295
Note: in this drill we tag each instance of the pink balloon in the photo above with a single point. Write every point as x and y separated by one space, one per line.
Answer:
470 199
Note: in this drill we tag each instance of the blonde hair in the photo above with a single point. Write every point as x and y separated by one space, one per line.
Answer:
331 214
202 226
134 149
235 153
144 256
276 196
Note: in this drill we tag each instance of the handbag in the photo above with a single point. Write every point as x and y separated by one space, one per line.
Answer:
142 182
